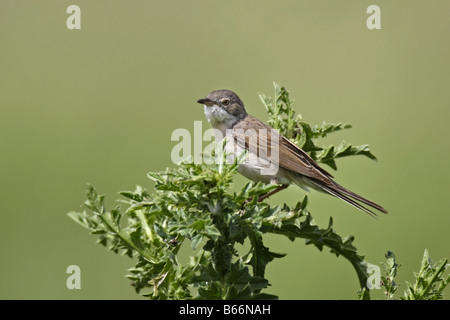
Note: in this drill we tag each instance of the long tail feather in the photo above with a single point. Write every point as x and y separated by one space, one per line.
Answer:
349 197
359 198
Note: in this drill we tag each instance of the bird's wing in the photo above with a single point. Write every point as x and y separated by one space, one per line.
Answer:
290 156
295 159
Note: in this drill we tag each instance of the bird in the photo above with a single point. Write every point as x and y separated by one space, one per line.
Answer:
228 116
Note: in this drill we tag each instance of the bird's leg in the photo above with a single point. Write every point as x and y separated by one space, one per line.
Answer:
264 196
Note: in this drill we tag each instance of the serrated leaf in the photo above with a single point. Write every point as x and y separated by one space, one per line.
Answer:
79 218
131 195
260 255
196 240
159 231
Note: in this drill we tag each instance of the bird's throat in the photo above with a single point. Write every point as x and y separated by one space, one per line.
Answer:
219 118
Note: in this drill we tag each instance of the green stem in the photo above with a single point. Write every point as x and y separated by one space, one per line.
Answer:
431 282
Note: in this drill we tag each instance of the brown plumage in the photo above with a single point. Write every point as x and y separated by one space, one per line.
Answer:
225 111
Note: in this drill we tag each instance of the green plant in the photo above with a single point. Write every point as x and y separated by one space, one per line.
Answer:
430 280
390 269
193 204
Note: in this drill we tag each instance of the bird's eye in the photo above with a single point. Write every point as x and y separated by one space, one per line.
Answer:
225 101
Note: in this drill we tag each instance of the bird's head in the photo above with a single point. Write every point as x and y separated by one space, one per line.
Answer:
223 107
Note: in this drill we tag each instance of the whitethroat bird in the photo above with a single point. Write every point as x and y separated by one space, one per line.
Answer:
226 113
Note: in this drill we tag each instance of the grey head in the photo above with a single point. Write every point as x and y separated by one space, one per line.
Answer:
223 107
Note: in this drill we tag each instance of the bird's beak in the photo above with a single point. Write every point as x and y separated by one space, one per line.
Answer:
206 102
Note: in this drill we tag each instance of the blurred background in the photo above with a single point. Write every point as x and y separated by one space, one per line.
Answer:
98 105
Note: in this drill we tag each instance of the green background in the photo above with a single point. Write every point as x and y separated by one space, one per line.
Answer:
99 105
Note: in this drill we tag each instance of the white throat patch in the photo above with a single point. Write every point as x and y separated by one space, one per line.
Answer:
217 115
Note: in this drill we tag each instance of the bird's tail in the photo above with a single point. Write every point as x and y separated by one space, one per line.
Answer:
348 196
